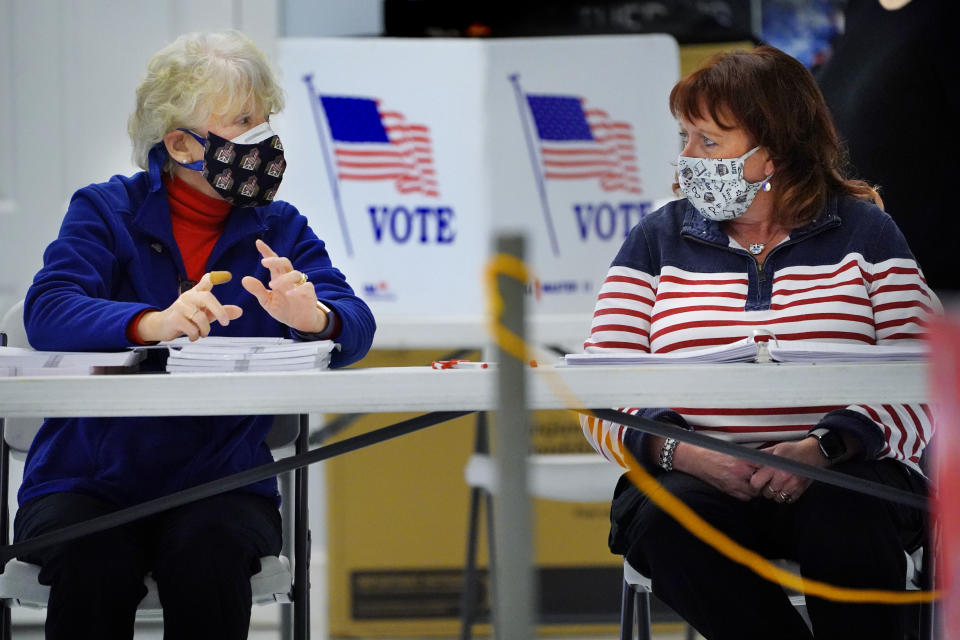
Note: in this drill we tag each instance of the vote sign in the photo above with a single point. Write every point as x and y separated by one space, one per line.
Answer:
407 156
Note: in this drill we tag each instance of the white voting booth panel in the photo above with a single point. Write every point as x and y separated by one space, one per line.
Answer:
408 155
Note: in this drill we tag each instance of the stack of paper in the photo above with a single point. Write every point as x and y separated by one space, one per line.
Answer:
810 351
16 361
741 351
220 354
748 350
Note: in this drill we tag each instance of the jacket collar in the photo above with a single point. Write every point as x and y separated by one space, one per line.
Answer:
156 159
695 225
153 216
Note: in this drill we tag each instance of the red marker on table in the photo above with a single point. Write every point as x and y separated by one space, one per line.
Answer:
469 364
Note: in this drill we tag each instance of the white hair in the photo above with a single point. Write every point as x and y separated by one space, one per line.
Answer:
194 77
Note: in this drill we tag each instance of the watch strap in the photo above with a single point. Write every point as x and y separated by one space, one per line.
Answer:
830 442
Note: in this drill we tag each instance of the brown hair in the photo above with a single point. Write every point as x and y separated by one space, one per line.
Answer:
776 101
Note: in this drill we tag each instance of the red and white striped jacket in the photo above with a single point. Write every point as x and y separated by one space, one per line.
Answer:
679 282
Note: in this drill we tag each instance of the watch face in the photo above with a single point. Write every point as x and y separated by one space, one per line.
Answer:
831 445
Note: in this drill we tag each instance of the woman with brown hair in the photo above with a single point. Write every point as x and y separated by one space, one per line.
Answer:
771 236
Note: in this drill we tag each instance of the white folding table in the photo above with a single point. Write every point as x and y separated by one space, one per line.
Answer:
389 389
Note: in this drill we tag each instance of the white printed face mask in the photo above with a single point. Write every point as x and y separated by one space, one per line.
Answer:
716 187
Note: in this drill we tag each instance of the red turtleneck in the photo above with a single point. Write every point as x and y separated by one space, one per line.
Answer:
197 221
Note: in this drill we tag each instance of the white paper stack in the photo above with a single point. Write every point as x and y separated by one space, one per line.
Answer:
747 350
741 351
216 354
811 351
16 361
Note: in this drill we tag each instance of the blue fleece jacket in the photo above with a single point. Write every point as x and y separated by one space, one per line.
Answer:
115 257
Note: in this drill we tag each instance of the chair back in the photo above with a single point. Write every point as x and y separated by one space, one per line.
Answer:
576 477
18 432
284 431
12 325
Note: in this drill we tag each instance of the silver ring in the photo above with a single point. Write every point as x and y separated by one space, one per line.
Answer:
786 497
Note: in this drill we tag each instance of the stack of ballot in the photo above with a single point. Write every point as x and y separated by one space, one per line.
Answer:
750 349
215 354
17 361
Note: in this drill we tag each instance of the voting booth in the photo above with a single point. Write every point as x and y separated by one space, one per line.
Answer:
408 156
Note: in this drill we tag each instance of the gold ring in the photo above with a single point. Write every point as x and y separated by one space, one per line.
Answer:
302 280
785 496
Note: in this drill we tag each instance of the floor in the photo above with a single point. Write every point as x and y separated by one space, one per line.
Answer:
265 625
258 632
265 620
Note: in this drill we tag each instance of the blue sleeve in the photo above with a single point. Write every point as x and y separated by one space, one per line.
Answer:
68 306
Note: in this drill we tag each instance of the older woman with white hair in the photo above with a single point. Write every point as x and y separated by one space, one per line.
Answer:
132 265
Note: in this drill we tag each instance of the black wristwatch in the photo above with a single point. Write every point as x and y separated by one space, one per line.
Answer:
832 445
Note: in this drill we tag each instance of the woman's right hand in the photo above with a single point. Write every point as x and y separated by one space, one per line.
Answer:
728 474
191 314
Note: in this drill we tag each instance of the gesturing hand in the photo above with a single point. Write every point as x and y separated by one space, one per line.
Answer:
191 314
286 300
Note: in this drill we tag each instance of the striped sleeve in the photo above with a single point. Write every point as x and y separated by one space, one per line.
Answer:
621 318
621 322
901 302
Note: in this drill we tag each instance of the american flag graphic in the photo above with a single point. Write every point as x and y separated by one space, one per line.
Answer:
371 144
579 142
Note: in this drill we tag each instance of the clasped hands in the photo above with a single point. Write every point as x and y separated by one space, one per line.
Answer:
196 309
746 480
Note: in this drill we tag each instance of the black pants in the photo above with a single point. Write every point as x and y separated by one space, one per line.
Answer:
202 556
837 536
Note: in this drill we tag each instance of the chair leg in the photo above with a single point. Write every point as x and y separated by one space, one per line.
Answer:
627 612
468 597
471 578
5 612
928 610
301 544
287 514
492 565
5 615
642 604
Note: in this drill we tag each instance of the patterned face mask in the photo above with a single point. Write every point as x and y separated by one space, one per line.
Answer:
246 171
716 187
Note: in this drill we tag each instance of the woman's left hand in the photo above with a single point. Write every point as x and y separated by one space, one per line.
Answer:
782 486
286 300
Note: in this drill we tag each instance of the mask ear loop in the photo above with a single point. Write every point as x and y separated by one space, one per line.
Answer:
765 185
196 165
